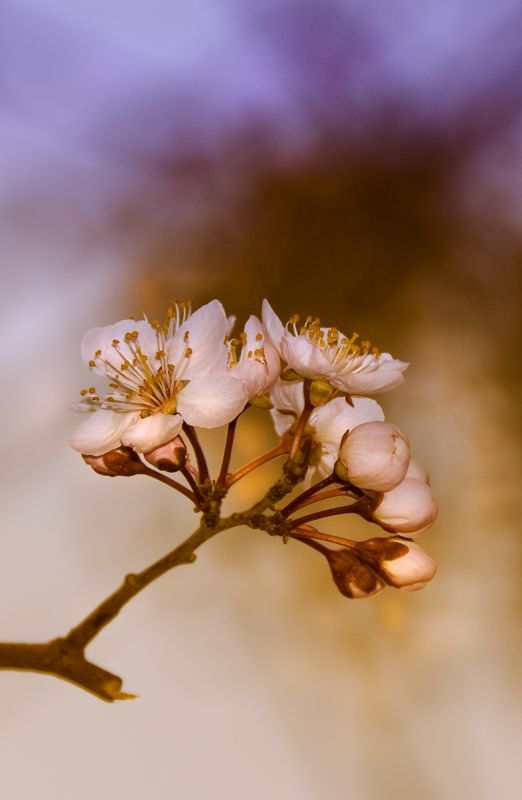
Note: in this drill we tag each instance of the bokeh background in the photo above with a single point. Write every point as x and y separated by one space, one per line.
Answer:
358 161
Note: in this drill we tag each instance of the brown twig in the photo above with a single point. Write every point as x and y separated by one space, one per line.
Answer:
65 657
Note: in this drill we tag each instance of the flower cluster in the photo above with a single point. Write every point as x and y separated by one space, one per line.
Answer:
168 378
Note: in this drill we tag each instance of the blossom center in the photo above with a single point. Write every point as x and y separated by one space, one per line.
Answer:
237 347
142 382
337 347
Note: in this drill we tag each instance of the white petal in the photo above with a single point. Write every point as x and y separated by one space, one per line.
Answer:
211 400
146 434
101 431
332 420
288 400
413 567
272 323
306 358
257 374
409 508
111 357
371 375
416 470
231 321
204 333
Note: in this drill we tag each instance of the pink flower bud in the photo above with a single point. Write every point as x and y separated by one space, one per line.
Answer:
375 455
169 457
414 587
120 461
352 576
409 508
416 470
400 562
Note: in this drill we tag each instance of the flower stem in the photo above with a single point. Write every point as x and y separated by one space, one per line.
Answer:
302 498
339 492
258 462
326 537
328 512
227 454
310 542
204 475
303 419
158 476
198 497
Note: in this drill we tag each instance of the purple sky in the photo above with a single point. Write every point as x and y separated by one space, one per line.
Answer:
80 82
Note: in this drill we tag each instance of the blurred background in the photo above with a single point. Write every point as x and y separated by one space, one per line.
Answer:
357 161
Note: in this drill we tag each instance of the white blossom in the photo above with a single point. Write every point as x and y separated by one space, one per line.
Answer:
258 364
327 423
409 508
317 352
375 456
160 377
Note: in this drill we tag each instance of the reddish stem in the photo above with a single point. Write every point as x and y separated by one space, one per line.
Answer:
303 419
258 462
310 542
328 512
227 453
193 483
326 537
158 476
340 492
301 498
204 475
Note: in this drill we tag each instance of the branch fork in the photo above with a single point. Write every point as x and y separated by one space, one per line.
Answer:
65 658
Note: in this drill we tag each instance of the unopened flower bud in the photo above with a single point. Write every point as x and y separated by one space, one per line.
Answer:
169 457
352 576
400 562
320 392
409 508
414 587
416 470
261 401
121 461
375 455
289 374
